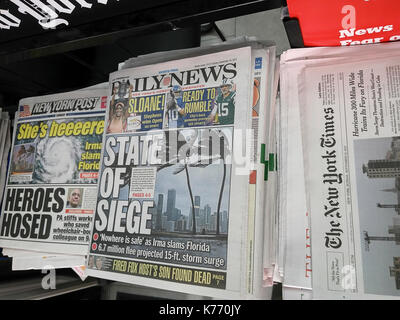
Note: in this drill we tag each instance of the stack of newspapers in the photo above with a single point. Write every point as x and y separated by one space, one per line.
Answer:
5 143
51 187
164 177
193 171
339 160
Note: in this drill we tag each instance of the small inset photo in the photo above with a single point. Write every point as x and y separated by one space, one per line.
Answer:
23 159
95 262
91 262
74 197
377 164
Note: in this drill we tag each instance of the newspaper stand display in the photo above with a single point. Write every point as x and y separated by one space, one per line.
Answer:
348 24
44 44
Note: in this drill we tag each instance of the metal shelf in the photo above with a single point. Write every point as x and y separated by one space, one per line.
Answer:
34 61
31 288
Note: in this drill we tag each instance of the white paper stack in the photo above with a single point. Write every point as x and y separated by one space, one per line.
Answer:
171 213
338 185
5 143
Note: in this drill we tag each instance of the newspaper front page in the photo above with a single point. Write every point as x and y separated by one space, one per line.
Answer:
293 209
172 209
51 190
351 123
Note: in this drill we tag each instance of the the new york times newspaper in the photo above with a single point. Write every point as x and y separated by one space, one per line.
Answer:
50 196
172 209
352 147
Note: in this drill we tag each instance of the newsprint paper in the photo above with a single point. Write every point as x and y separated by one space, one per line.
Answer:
351 126
51 189
5 144
173 190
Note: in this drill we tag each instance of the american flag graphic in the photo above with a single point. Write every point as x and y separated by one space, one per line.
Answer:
103 103
24 111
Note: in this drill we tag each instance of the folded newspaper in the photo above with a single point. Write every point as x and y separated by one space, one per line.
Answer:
180 203
265 86
51 187
345 104
5 142
176 208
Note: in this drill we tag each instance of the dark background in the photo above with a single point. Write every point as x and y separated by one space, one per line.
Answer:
35 61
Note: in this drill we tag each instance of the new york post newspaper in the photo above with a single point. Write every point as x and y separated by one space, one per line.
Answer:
50 197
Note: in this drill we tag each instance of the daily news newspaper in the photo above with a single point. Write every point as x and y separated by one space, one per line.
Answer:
173 187
351 122
51 189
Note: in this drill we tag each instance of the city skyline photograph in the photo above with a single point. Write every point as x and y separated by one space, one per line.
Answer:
374 189
205 184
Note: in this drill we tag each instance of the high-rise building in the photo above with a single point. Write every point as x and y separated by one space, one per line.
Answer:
176 213
196 205
396 207
394 230
198 222
388 206
164 221
382 168
170 226
207 214
224 221
171 199
160 203
191 219
213 222
196 212
181 224
395 271
152 211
